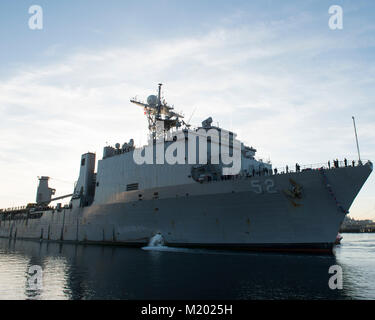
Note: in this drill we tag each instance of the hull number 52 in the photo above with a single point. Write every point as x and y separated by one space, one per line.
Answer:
267 186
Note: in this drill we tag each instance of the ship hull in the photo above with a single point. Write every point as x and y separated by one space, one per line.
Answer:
258 213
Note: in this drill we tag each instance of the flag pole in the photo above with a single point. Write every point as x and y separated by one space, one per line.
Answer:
356 139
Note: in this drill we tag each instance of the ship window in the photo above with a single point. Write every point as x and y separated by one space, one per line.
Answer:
132 187
83 162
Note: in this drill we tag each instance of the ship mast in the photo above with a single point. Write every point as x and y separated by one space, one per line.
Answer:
159 112
159 101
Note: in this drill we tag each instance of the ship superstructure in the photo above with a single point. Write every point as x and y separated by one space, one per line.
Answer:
193 187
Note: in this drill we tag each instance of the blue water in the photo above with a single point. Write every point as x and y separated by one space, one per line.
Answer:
98 272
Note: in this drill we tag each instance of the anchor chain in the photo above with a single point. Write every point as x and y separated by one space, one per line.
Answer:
330 190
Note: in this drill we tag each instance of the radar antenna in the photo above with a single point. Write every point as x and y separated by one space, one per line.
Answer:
157 110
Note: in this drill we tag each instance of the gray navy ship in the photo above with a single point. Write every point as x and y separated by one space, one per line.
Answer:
192 187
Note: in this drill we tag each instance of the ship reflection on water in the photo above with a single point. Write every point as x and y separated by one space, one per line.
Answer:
102 272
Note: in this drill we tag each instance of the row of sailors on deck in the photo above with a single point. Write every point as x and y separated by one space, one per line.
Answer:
269 172
336 163
266 171
298 169
259 172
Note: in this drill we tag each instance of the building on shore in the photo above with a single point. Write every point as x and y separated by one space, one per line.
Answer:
351 225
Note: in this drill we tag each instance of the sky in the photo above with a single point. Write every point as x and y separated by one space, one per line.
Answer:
272 71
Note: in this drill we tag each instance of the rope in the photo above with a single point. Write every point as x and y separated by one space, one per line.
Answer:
329 188
63 181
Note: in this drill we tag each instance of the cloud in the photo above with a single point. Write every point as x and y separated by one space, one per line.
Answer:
289 95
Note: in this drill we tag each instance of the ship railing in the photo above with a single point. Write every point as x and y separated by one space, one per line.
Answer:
317 166
282 170
22 209
13 209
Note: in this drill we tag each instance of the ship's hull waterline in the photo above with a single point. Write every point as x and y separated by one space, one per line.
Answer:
256 213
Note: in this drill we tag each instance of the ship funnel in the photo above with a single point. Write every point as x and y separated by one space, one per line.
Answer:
85 187
44 193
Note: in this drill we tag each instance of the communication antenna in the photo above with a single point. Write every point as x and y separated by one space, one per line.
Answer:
192 114
356 139
157 110
159 101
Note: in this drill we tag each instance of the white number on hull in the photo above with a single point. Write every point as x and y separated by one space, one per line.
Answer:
269 186
257 188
